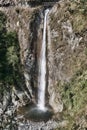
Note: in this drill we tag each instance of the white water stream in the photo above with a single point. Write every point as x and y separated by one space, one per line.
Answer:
42 68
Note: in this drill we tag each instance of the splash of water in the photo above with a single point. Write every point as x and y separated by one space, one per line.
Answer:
42 69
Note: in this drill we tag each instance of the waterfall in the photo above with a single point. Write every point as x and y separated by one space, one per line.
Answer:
42 69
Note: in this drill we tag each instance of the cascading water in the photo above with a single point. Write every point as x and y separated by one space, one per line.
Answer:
40 112
42 69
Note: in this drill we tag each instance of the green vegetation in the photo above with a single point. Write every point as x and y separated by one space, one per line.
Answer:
10 67
74 93
74 96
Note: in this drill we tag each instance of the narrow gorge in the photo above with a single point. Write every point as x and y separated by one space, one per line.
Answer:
43 66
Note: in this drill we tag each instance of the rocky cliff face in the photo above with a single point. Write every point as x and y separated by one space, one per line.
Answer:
66 59
66 48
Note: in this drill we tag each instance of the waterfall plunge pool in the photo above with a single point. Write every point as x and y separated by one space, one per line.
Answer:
33 113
